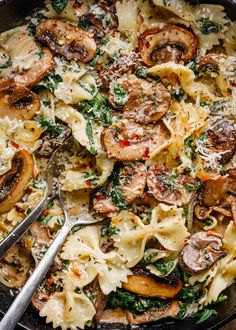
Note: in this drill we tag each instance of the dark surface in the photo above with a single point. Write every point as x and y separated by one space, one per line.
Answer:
12 14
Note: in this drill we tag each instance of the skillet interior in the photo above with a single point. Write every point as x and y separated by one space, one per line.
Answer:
12 13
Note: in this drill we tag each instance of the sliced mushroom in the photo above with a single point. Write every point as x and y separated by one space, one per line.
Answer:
169 43
98 20
144 284
210 62
13 183
38 71
221 138
131 185
169 188
67 40
15 266
202 250
98 298
170 309
130 141
18 102
146 102
216 191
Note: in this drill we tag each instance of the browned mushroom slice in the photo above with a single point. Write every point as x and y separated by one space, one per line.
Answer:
99 299
216 191
170 43
210 62
116 315
15 266
222 139
98 20
202 212
38 71
67 40
130 141
131 185
169 188
146 102
19 102
13 183
148 286
202 250
170 309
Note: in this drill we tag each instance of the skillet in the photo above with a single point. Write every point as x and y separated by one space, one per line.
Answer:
13 13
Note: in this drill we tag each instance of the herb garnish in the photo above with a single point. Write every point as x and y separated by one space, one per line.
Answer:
190 146
97 109
54 128
59 5
141 72
89 132
120 95
109 230
91 177
116 195
193 187
6 64
207 26
50 82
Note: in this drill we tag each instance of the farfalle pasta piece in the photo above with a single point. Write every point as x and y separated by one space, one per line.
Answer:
186 78
82 249
230 40
86 133
74 178
178 7
68 309
167 226
209 25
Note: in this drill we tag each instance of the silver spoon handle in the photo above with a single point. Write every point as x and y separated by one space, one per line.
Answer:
23 299
16 234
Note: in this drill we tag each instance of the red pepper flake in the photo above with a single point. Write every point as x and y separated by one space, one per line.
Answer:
177 158
19 209
124 143
147 44
20 73
145 197
88 183
146 153
99 197
28 190
135 136
15 145
46 212
77 5
49 282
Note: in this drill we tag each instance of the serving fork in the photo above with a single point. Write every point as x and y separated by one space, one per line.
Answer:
23 299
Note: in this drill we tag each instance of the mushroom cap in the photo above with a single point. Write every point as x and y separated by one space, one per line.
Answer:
168 43
202 250
14 182
18 102
67 40
167 189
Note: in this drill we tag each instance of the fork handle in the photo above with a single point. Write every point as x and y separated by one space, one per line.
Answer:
23 299
16 234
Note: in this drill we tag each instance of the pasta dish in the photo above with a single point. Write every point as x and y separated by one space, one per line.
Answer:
147 88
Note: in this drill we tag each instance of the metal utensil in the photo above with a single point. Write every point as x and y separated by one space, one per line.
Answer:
23 299
50 194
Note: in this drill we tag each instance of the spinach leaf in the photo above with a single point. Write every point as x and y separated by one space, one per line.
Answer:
44 220
109 230
120 95
204 314
89 132
208 222
50 82
164 267
187 293
178 93
97 109
190 146
59 5
118 198
6 64
207 26
193 187
141 72
133 303
54 128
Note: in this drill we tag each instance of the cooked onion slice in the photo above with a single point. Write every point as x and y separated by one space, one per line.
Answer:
67 40
170 43
13 183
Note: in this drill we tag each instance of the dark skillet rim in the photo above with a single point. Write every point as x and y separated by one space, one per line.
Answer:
230 8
